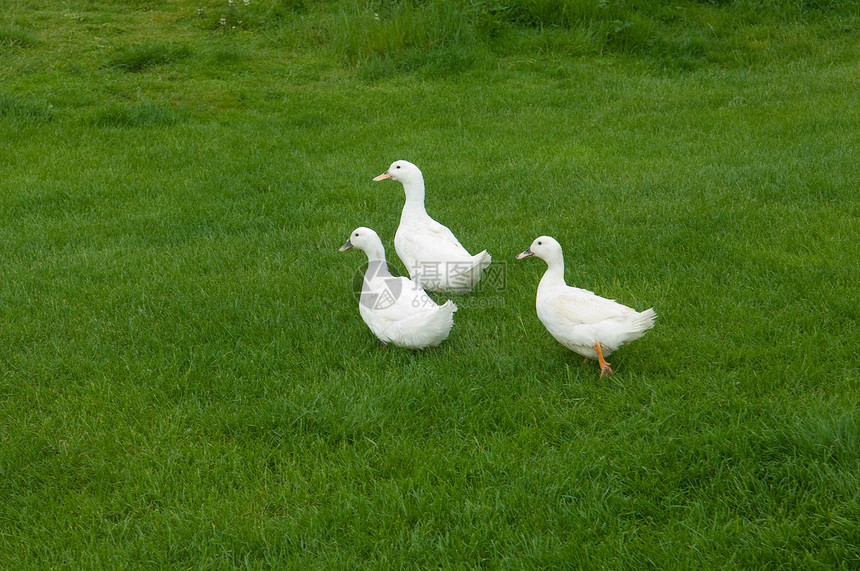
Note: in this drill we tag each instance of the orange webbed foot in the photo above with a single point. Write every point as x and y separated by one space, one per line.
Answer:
605 369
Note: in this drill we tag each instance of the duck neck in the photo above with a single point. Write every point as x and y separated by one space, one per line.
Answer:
414 189
554 275
376 264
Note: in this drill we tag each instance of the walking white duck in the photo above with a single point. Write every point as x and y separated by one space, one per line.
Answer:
432 254
396 309
583 322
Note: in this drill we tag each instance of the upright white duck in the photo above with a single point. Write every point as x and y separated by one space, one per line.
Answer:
583 322
396 309
432 254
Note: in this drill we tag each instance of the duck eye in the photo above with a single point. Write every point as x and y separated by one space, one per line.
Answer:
540 243
356 234
398 166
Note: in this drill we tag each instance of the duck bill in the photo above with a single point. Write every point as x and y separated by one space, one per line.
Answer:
527 254
345 247
383 176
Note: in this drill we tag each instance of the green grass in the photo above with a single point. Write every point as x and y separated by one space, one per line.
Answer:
186 381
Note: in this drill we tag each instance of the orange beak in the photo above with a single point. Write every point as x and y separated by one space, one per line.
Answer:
383 176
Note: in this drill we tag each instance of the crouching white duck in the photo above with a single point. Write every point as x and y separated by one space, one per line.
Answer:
583 322
396 309
432 254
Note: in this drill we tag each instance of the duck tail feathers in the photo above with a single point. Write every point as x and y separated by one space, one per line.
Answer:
645 319
482 259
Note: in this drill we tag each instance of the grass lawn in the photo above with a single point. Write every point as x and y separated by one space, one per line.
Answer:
186 381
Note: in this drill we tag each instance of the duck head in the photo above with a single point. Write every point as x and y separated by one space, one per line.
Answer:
367 241
401 171
546 248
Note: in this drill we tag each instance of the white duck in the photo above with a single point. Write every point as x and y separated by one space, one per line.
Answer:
432 254
396 309
583 322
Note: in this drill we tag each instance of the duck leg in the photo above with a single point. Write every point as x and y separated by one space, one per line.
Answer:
605 369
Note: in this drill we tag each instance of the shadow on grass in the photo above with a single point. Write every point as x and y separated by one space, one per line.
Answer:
139 58
18 110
